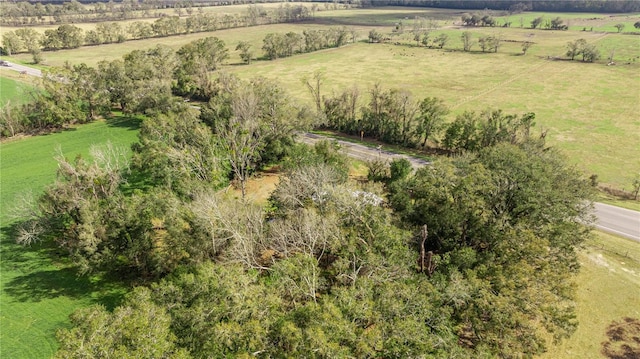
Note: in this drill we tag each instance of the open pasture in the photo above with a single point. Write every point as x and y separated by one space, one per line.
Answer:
387 16
575 21
10 91
589 110
37 293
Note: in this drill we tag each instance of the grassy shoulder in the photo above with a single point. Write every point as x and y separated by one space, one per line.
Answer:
38 293
14 87
615 201
608 287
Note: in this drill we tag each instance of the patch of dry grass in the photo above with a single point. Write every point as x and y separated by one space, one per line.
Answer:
258 188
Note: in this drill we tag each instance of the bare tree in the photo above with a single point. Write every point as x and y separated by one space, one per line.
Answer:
79 183
302 231
235 229
12 120
308 183
241 134
314 88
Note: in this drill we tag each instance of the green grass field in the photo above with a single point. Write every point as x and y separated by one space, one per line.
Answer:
37 292
12 90
576 21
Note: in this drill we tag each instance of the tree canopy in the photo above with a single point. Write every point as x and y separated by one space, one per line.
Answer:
330 271
471 256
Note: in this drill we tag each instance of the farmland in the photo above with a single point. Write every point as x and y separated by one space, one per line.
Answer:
588 110
584 108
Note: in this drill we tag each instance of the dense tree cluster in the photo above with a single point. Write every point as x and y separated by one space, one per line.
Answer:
256 122
90 213
393 116
552 24
328 271
579 47
489 43
277 45
476 19
471 256
144 80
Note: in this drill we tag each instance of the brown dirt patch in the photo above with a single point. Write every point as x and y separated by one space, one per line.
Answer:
623 340
259 187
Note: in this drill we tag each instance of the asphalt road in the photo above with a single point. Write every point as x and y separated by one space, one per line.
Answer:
25 69
612 219
363 152
616 220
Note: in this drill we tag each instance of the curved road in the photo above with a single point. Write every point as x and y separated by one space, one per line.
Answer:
612 219
363 152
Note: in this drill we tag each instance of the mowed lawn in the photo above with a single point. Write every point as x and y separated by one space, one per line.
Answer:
37 293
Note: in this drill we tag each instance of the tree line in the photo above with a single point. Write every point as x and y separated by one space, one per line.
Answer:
515 6
277 45
142 81
29 13
68 36
394 116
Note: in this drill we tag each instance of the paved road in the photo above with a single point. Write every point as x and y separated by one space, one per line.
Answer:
612 219
25 69
363 152
616 220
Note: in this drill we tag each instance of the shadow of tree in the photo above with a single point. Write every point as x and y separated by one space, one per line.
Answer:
24 259
129 122
47 284
40 272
